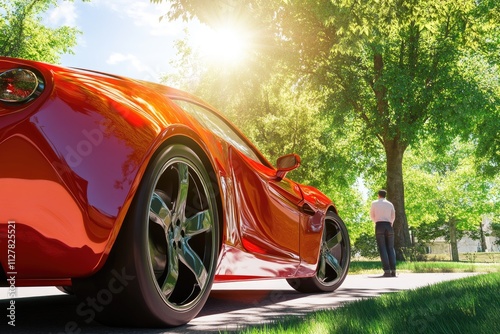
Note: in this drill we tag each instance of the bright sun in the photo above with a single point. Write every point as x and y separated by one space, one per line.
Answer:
227 46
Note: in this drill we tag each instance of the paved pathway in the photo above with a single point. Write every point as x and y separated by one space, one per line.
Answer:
263 301
231 305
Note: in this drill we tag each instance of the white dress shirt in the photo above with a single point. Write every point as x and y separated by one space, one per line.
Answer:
382 211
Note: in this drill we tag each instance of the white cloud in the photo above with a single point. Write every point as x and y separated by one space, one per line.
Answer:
133 62
145 14
124 37
64 14
116 58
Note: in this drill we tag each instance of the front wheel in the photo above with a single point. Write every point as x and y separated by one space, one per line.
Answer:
334 259
162 266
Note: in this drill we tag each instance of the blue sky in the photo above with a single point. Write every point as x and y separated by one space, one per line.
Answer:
123 37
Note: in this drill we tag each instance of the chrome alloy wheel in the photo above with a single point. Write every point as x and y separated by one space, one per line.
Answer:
333 262
181 236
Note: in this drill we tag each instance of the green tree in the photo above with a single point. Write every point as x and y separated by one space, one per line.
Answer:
25 36
280 115
495 227
399 70
446 194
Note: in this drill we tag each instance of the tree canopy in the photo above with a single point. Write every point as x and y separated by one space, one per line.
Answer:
25 36
446 194
391 74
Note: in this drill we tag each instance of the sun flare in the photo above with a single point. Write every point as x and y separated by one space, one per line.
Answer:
226 45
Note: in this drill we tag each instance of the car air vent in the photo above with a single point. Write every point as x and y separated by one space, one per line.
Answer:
307 209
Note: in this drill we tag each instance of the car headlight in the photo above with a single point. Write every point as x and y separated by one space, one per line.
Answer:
19 85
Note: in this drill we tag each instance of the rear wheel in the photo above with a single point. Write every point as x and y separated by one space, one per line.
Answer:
162 266
334 259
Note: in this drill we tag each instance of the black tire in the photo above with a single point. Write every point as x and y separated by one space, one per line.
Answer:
161 269
334 259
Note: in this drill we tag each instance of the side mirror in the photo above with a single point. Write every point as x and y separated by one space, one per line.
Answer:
286 164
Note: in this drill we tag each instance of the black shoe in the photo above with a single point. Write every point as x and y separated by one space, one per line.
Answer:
393 273
387 275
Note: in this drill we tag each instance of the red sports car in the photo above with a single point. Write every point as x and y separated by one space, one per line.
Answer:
137 197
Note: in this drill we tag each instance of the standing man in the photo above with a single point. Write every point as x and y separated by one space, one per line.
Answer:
382 214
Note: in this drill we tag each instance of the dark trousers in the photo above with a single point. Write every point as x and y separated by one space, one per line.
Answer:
385 243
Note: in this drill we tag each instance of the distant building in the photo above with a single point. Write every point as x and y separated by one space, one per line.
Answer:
467 244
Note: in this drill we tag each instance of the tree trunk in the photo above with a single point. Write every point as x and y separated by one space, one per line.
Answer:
483 239
395 194
394 150
453 240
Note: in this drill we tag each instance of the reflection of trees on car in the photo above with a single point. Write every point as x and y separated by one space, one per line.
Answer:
157 202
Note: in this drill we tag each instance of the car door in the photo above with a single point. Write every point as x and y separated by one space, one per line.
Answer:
269 214
264 216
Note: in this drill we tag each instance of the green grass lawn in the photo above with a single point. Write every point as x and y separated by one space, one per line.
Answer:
468 305
370 267
482 257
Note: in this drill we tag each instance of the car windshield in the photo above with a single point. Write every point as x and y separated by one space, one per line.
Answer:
219 127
